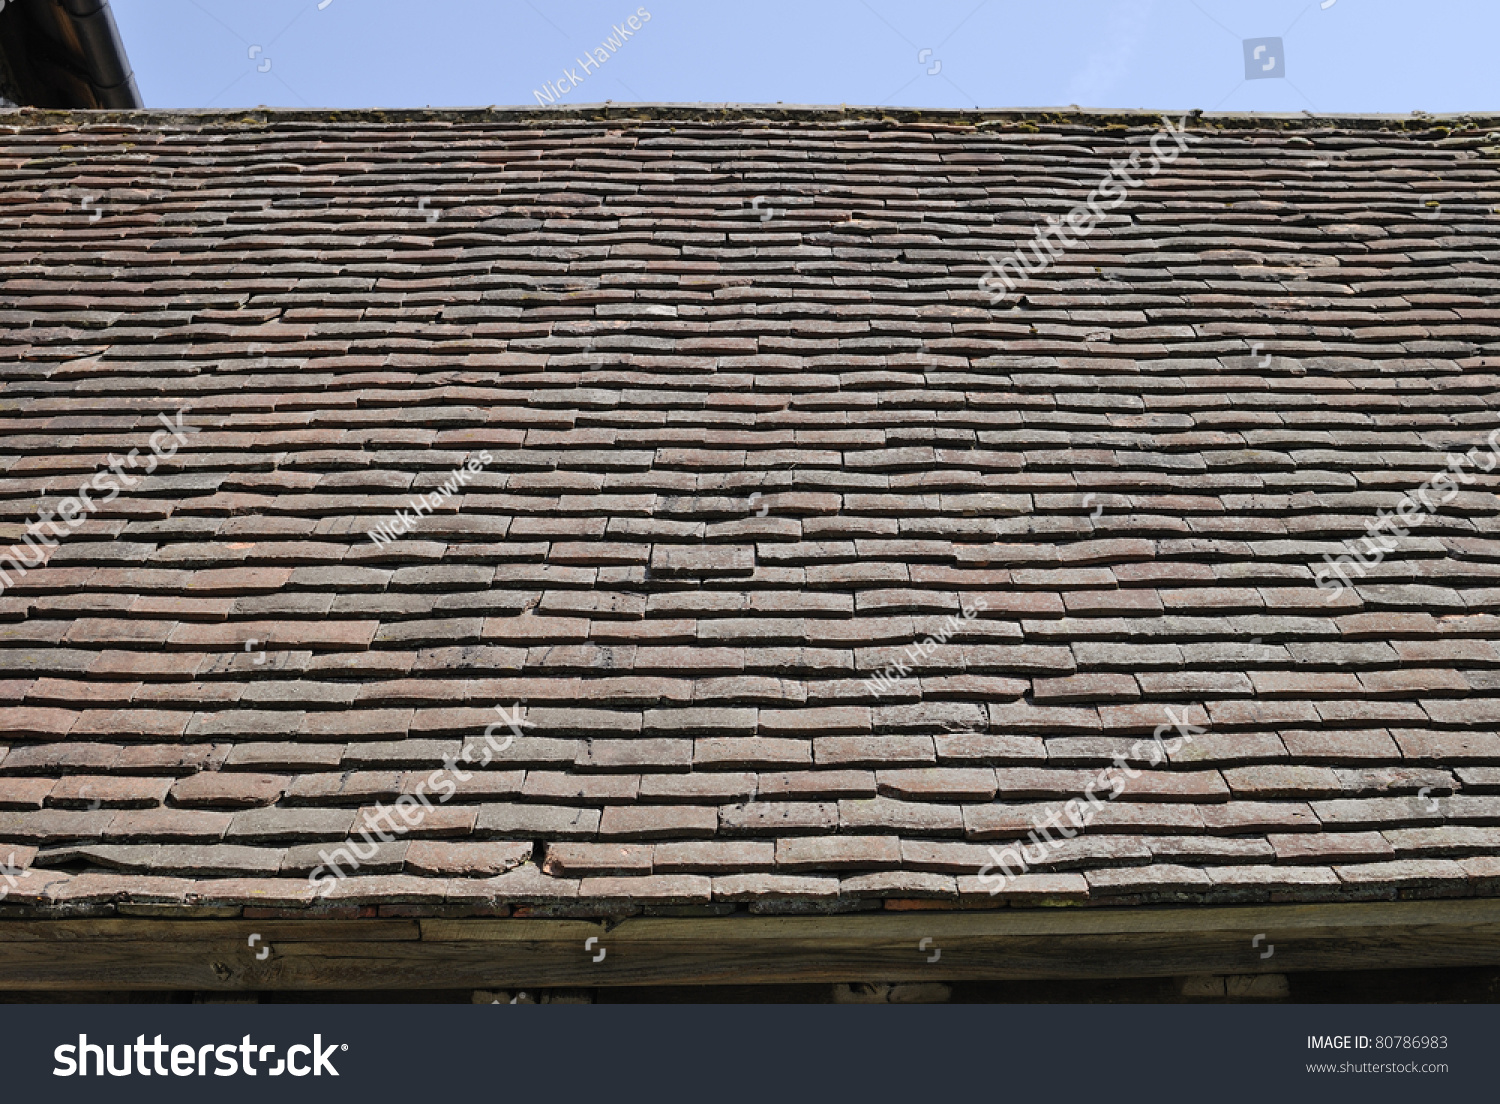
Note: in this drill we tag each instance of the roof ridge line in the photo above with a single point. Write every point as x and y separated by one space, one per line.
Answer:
728 112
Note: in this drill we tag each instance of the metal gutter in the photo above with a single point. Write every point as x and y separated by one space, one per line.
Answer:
65 54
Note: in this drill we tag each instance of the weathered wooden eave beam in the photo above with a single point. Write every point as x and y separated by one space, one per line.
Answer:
132 953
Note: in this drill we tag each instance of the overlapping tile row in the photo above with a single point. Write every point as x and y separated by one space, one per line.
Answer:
730 468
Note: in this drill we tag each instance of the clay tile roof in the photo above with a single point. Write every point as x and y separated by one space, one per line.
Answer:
716 423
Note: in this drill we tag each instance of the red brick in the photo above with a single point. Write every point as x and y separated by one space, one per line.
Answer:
1404 873
989 748
35 723
132 724
1472 712
673 889
229 790
943 856
692 661
167 825
1022 716
389 888
817 784
1147 718
771 818
79 791
100 631
1086 688
1427 746
178 608
634 756
1287 879
1238 817
431 820
715 857
978 688
1449 840
1151 817
551 822
1103 603
949 784
465 860
1017 659
701 560
1385 625
24 793
576 860
1267 713
775 887
1444 651
1344 746
328 635
1413 681
1277 780
525 884
18 689
1366 712
1156 878
146 665
1025 889
874 751
1210 684
1377 812
828 721
97 888
658 821
1010 603
701 788
738 753
1176 785
453 721
265 892
838 853
605 789
915 818
1216 599
529 629
1309 600
72 693
17 856
239 580
900 889
356 724
1304 684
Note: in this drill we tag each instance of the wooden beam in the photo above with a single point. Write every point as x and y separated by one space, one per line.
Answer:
1004 945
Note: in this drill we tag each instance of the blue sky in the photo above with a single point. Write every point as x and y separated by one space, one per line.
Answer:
1351 56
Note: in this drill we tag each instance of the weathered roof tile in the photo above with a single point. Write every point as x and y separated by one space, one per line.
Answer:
792 618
